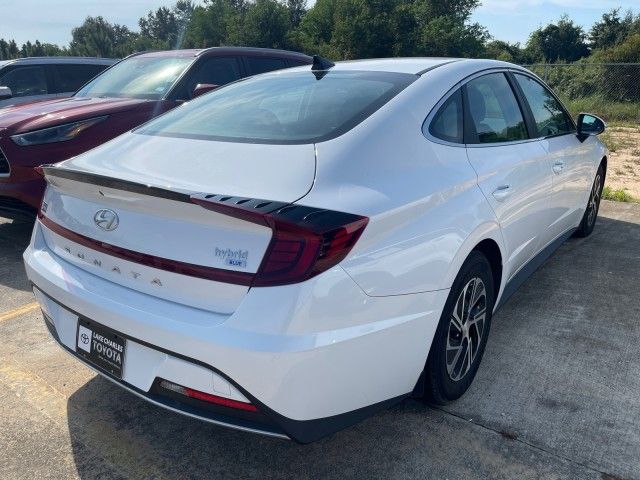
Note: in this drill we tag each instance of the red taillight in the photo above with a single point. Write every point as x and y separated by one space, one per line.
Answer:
207 397
306 241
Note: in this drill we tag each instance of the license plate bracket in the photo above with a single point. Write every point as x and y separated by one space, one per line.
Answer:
101 346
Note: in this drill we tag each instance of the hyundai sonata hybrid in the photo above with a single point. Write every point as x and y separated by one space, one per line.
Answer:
298 250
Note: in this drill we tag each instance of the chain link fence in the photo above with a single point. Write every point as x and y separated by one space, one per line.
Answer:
610 90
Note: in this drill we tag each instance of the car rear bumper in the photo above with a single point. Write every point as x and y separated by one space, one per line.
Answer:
305 384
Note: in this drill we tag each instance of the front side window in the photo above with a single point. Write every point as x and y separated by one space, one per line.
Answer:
25 81
138 77
494 111
548 114
447 123
287 108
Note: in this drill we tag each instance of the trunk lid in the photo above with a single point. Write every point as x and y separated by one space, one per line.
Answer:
163 244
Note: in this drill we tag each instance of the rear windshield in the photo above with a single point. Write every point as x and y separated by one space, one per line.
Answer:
137 77
284 108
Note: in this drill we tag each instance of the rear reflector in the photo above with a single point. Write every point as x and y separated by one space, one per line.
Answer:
207 397
306 241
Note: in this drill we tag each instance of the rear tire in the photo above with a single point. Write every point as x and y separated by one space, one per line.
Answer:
590 216
461 336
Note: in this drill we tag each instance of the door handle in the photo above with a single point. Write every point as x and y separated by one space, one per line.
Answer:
502 192
558 167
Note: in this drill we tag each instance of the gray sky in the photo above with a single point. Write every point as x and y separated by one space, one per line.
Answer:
52 20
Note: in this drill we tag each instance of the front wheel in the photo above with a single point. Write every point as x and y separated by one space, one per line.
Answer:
591 213
461 336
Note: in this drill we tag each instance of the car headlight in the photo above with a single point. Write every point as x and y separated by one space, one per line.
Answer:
59 133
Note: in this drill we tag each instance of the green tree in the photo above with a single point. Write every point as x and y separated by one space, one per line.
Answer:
562 41
165 28
362 29
98 38
297 9
264 24
507 52
611 29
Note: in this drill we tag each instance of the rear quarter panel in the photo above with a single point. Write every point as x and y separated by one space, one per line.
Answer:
425 207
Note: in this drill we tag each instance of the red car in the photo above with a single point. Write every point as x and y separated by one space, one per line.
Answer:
138 88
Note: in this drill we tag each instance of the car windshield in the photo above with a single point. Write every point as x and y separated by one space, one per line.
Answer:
137 77
283 108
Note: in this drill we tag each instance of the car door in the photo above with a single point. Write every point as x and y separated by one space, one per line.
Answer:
569 158
28 83
513 171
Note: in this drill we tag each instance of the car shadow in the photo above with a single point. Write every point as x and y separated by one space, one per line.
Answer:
14 239
151 442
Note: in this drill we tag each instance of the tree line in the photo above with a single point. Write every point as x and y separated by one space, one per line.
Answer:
345 29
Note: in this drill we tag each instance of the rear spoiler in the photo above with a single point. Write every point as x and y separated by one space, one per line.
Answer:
244 208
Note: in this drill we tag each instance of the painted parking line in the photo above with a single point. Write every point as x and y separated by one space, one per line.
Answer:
16 312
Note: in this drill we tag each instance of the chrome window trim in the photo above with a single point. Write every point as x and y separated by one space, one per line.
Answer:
427 122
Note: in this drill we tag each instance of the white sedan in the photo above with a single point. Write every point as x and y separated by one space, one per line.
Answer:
295 251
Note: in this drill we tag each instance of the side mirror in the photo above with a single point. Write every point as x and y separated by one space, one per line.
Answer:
5 93
203 88
589 125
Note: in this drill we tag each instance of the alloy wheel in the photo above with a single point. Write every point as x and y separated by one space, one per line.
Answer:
466 328
594 200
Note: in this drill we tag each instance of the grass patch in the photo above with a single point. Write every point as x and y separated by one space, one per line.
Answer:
619 195
610 141
609 110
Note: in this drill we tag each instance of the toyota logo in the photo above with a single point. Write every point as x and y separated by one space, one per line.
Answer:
84 338
106 219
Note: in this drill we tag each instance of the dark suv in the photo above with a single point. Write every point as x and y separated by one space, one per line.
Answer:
27 80
129 93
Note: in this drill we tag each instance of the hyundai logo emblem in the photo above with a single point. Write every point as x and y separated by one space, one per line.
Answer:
106 219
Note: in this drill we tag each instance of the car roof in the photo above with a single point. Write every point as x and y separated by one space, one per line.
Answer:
213 51
411 65
59 61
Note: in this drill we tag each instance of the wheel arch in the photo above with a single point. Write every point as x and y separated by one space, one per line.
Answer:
490 249
486 239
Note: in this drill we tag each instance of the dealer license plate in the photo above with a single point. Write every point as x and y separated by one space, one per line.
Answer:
101 346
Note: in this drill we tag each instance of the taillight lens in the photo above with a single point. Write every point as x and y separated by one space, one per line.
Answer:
306 241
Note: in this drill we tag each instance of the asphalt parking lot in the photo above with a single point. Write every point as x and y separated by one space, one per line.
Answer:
557 395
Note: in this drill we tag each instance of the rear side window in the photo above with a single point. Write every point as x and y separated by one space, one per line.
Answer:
495 114
289 108
257 65
69 78
548 114
215 71
447 123
26 81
